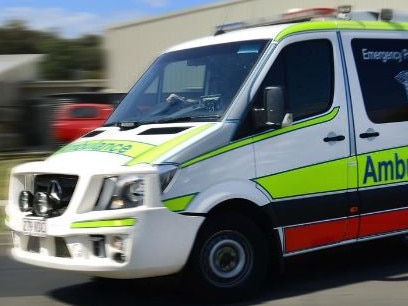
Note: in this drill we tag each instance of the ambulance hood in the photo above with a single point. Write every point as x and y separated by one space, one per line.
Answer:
147 144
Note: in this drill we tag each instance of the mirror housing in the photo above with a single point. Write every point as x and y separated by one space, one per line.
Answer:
272 113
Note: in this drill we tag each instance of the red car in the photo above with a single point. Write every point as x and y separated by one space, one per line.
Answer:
74 120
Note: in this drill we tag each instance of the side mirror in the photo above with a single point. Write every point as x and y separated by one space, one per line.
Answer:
272 112
274 105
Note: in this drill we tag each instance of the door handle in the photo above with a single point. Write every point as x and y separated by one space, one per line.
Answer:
334 138
369 134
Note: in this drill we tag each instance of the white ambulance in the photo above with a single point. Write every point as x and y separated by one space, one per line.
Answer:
232 152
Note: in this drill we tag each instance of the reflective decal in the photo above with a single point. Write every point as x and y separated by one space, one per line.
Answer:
104 223
127 148
180 203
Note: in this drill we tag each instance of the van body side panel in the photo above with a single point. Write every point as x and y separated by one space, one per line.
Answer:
308 176
377 63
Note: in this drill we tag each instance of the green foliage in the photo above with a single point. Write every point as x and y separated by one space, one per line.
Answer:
2 218
67 59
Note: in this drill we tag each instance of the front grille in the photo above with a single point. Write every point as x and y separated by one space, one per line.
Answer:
66 185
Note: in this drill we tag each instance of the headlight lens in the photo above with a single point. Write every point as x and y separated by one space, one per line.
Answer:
166 174
121 192
134 191
128 191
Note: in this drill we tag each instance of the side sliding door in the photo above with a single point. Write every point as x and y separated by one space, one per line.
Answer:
378 67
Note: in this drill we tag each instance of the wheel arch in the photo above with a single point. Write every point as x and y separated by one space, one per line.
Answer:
257 214
249 215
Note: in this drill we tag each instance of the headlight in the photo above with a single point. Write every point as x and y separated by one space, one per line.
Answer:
129 193
166 174
121 192
134 191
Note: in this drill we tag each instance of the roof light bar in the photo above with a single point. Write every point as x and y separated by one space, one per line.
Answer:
344 12
294 15
305 14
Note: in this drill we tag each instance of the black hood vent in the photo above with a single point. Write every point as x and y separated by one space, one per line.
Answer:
93 133
164 130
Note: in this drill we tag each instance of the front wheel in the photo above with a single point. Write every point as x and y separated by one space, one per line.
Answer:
229 258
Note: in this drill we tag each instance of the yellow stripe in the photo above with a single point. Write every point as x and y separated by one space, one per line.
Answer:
235 145
341 25
179 204
326 177
104 223
150 156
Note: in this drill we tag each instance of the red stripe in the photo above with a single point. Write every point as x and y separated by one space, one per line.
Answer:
309 236
384 222
314 235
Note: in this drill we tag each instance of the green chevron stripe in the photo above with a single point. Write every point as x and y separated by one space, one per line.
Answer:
330 176
150 156
180 203
318 120
341 25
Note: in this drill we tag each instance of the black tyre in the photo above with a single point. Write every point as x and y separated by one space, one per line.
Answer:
229 259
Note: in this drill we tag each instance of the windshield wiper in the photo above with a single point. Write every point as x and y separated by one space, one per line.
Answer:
128 125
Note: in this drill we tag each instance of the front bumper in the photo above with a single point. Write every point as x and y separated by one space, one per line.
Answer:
158 243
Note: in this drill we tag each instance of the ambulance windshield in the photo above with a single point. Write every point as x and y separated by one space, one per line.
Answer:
189 85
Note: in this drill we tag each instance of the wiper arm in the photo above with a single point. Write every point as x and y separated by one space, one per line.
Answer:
128 125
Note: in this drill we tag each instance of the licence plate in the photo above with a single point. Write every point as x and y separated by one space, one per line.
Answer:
34 227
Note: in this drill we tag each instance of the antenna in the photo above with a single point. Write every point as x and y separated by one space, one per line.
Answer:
220 28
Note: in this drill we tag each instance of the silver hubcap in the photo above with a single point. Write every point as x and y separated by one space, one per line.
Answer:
227 258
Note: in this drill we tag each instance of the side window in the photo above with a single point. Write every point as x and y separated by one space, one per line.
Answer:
308 77
305 71
382 66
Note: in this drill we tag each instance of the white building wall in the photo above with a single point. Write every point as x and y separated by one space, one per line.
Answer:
131 47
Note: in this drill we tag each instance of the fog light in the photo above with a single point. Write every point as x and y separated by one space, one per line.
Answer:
117 243
41 204
119 257
25 201
98 242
